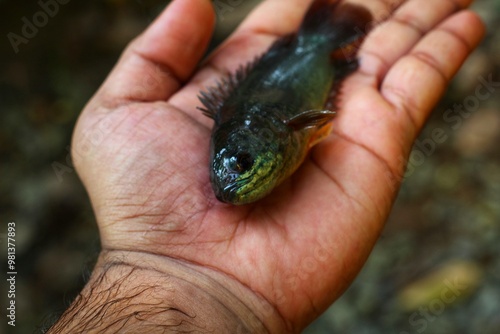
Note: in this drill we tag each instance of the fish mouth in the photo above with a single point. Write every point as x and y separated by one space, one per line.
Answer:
226 194
230 192
237 189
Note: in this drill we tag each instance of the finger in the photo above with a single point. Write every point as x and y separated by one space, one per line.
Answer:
264 20
417 81
395 37
158 62
376 130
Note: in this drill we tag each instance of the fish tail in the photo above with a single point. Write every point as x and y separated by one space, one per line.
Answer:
335 26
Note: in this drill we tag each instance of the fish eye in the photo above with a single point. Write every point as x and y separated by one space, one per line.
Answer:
240 162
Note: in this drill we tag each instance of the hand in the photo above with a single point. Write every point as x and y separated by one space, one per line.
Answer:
141 149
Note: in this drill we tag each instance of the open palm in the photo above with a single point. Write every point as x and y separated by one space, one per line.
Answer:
141 149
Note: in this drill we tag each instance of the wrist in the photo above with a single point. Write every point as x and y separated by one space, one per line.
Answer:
140 292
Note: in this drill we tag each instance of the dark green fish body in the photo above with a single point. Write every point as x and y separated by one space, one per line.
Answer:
269 114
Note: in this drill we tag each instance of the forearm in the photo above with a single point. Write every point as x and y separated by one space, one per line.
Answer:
132 292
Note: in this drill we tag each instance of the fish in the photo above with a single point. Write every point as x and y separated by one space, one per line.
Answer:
270 112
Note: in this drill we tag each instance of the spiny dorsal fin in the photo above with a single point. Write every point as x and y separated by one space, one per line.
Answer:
310 118
214 97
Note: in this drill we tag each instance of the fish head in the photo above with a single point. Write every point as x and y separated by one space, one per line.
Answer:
245 164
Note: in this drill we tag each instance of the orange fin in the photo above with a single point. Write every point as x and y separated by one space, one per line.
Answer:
320 134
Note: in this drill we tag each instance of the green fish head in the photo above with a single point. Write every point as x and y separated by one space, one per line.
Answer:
245 164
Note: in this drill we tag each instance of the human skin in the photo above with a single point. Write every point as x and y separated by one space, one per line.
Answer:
173 257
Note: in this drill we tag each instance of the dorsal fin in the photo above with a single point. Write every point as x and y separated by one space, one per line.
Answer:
214 97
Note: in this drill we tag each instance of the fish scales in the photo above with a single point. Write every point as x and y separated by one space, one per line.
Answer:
269 113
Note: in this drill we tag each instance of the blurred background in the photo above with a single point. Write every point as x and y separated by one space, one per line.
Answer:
436 268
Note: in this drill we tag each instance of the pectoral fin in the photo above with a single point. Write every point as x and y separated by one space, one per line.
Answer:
310 118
